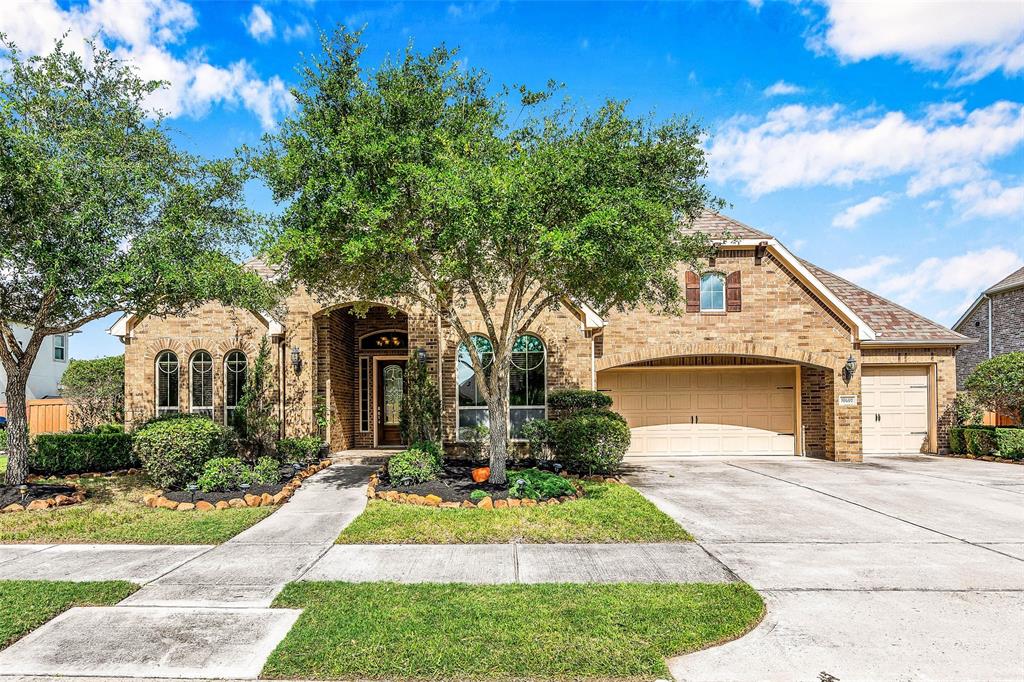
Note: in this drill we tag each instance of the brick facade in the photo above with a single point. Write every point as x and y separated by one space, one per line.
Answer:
780 320
1007 331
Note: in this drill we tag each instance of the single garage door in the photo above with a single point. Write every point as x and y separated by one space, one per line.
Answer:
895 409
679 412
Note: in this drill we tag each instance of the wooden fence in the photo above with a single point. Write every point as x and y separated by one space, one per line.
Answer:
45 416
993 419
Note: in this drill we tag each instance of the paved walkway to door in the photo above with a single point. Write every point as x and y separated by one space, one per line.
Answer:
900 568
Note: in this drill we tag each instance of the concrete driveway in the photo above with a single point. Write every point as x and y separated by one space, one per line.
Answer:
900 568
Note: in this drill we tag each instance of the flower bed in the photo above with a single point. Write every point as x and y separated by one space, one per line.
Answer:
39 497
256 496
454 488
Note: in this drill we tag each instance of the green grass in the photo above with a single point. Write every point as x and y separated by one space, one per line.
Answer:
608 513
113 513
486 632
3 464
27 604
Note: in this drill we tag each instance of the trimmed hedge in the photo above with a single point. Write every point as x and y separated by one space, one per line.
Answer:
591 443
573 399
1010 443
987 440
957 443
299 449
58 454
173 451
417 465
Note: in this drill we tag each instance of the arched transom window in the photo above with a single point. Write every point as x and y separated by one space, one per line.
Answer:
527 383
235 367
201 384
712 292
166 383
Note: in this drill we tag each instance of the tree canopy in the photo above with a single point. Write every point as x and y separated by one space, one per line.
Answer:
998 384
94 390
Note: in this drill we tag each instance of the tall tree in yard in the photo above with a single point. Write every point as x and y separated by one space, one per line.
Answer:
420 181
99 212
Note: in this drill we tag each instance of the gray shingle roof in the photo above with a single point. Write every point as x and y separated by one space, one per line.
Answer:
716 226
1011 281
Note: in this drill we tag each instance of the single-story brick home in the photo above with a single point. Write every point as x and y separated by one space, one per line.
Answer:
772 355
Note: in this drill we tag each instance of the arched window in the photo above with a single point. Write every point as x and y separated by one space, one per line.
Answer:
235 366
201 384
712 292
472 406
166 383
527 382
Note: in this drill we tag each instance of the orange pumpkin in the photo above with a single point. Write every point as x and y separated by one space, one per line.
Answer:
481 474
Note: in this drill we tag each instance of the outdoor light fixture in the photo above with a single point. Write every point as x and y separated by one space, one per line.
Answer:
244 487
192 487
421 355
23 489
296 359
849 368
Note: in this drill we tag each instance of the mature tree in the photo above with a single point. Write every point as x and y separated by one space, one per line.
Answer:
998 384
417 181
94 391
100 212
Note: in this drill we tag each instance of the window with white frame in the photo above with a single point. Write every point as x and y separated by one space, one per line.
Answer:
60 347
527 389
235 367
527 383
712 292
166 383
201 384
472 406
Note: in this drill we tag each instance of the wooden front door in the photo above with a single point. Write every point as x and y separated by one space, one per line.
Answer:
390 393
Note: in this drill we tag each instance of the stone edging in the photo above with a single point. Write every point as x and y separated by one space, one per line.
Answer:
60 500
985 458
158 501
92 474
485 503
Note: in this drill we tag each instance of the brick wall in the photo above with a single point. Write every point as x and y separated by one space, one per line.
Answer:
1007 332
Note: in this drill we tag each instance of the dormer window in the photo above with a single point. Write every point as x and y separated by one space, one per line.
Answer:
712 292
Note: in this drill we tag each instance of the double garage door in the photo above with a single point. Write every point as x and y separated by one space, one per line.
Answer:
680 412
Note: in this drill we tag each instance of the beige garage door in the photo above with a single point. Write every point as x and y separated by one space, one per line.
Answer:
679 412
895 409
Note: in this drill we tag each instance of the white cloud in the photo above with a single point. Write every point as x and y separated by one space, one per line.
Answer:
852 216
990 199
782 88
260 24
143 33
297 31
971 37
958 278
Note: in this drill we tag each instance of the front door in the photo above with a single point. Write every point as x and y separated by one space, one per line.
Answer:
390 393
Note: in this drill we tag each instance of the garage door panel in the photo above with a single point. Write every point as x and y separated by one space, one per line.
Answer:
737 411
895 415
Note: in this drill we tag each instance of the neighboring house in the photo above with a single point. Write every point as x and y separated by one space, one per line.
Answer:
772 355
53 358
996 320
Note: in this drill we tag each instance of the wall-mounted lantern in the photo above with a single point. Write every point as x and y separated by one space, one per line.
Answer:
849 368
296 359
421 355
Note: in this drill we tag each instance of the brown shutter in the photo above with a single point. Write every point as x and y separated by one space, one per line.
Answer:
733 298
692 292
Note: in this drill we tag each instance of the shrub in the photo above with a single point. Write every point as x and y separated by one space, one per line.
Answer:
540 434
430 447
266 472
477 440
108 428
957 444
255 417
173 451
94 391
570 400
538 485
1010 443
3 439
980 441
420 418
299 449
603 412
998 384
591 443
223 474
966 411
57 454
478 495
416 465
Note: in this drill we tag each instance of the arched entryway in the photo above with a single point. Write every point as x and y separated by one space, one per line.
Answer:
689 405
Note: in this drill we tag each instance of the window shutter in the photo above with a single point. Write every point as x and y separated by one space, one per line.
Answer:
692 292
733 297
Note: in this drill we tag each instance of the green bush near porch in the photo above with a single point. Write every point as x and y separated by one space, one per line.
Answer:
504 632
59 454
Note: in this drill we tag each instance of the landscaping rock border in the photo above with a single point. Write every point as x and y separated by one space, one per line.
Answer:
92 474
158 501
485 503
46 503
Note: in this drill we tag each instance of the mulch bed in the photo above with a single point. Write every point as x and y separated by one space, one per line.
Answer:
453 485
214 498
9 494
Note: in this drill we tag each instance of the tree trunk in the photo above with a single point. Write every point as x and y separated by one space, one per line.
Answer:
17 429
497 414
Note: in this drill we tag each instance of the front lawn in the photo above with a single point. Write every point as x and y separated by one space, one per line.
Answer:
113 513
27 604
486 632
608 513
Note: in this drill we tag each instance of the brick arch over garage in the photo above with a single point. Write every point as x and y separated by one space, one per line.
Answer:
647 352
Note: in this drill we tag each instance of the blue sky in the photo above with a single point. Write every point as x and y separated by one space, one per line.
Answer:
883 141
